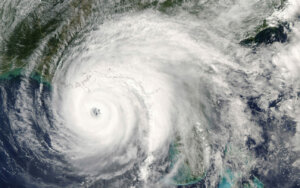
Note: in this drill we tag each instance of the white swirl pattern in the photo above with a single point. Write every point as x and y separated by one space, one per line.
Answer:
140 82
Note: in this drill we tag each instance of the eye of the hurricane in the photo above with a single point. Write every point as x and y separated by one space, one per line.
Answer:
95 112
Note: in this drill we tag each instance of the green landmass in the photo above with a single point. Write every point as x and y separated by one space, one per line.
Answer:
46 32
51 27
266 35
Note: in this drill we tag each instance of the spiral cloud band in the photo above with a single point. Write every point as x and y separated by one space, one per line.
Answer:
116 90
165 94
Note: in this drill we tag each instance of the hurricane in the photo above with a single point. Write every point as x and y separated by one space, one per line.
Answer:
168 93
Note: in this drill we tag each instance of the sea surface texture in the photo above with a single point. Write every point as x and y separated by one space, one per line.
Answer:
150 93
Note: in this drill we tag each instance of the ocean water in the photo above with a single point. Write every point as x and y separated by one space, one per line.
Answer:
150 93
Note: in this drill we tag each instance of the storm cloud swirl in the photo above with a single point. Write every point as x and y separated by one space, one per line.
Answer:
151 94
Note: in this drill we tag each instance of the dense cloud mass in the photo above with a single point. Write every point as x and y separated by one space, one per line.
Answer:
150 94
